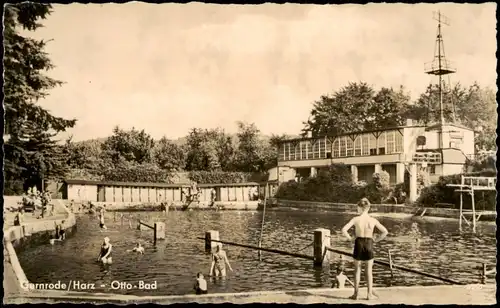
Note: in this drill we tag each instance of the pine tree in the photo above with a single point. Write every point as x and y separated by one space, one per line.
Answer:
31 153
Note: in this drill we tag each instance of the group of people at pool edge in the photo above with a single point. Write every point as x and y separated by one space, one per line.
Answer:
363 253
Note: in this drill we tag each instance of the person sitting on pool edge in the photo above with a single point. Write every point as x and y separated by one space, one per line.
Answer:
219 261
363 244
200 286
105 253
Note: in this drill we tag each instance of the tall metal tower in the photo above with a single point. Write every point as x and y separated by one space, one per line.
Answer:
440 66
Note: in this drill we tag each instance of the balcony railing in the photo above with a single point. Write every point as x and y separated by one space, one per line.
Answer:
434 67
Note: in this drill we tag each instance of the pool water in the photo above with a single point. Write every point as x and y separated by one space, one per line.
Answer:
175 261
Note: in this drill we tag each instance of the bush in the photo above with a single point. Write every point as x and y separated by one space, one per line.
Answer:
334 185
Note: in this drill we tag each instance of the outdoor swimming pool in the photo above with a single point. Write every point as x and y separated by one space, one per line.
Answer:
173 263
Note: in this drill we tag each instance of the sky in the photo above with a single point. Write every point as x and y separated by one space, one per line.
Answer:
167 68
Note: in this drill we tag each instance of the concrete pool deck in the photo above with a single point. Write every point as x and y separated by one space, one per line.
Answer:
460 295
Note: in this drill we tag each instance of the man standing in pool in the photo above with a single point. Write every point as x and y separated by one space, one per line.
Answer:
363 244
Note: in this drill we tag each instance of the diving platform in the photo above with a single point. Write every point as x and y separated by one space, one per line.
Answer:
469 185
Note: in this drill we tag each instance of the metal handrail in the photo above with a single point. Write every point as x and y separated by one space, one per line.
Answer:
281 252
402 268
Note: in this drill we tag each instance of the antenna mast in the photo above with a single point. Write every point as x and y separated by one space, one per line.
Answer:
440 66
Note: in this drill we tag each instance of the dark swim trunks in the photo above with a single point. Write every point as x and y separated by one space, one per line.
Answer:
363 249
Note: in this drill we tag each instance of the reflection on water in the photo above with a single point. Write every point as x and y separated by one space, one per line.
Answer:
173 263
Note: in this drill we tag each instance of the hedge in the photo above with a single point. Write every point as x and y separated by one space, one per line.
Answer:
152 174
147 173
222 177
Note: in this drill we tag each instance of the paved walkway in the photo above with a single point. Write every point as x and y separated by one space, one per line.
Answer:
460 295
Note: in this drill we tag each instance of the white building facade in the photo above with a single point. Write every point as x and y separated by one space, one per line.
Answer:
443 150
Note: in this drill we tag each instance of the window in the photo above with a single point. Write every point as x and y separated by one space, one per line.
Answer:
357 146
336 146
297 150
349 146
315 149
281 153
309 150
432 169
390 142
328 148
398 143
303 150
322 149
381 144
365 144
292 151
373 145
342 147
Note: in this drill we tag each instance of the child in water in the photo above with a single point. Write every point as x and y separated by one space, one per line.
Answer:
364 225
138 248
101 219
200 286
341 279
415 232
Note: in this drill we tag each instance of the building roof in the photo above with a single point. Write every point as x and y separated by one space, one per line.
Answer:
352 133
437 125
161 185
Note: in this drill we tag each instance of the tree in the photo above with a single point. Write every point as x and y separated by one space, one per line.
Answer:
357 107
210 150
250 155
169 156
31 154
133 146
474 107
87 155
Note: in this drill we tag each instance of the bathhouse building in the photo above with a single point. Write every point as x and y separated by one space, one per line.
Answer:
439 149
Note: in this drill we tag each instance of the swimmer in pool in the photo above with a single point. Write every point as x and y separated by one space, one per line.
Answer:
200 285
415 232
138 248
105 253
219 261
363 244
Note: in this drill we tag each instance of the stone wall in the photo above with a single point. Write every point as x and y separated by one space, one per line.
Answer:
342 207
156 206
375 208
31 234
